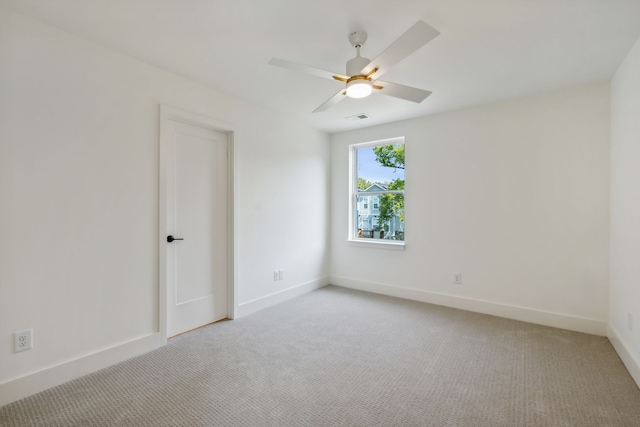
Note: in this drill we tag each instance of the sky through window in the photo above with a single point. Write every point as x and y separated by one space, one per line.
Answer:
372 171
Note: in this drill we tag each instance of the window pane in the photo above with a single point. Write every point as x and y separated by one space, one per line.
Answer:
379 169
384 222
384 168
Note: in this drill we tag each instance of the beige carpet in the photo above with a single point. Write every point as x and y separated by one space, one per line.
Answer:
338 357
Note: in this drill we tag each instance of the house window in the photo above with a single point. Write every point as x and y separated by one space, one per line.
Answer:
377 176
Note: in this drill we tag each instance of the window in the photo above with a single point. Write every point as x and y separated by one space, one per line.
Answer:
377 176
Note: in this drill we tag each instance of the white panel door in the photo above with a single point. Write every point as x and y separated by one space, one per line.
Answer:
197 277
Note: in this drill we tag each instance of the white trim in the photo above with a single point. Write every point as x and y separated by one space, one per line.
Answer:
386 141
258 304
541 317
379 193
396 245
630 360
353 183
35 382
232 228
171 113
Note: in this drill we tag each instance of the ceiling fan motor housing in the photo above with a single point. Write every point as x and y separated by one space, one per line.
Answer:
355 65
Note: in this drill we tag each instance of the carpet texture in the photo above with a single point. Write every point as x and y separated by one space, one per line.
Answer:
339 357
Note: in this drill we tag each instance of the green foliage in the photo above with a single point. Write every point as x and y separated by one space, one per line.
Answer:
396 184
391 156
363 184
386 209
392 204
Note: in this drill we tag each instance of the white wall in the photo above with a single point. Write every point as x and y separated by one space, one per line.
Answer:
625 211
513 195
79 202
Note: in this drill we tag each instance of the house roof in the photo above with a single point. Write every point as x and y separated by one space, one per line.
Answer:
376 186
487 51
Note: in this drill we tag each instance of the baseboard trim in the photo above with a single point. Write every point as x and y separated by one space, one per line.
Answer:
546 318
631 362
38 381
258 304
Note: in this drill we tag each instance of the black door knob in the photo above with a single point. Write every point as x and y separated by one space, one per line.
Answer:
171 238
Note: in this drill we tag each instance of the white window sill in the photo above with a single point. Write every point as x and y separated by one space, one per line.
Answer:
378 244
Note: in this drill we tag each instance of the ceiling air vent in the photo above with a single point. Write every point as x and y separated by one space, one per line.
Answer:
357 117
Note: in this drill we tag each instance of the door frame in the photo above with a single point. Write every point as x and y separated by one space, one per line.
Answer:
168 113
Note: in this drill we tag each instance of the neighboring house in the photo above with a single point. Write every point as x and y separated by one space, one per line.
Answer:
369 211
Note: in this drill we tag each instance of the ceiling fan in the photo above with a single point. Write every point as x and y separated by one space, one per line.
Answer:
363 75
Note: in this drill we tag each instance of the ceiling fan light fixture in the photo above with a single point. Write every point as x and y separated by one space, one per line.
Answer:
359 87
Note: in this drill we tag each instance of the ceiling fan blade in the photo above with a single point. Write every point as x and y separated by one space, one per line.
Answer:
306 69
331 101
415 37
400 91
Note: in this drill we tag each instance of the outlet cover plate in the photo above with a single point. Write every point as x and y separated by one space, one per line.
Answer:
22 340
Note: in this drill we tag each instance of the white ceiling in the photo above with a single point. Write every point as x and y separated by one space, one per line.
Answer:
488 50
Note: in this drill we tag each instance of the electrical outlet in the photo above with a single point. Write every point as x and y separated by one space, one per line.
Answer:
22 340
457 278
281 273
276 274
630 321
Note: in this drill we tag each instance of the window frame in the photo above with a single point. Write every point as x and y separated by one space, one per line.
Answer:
353 238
